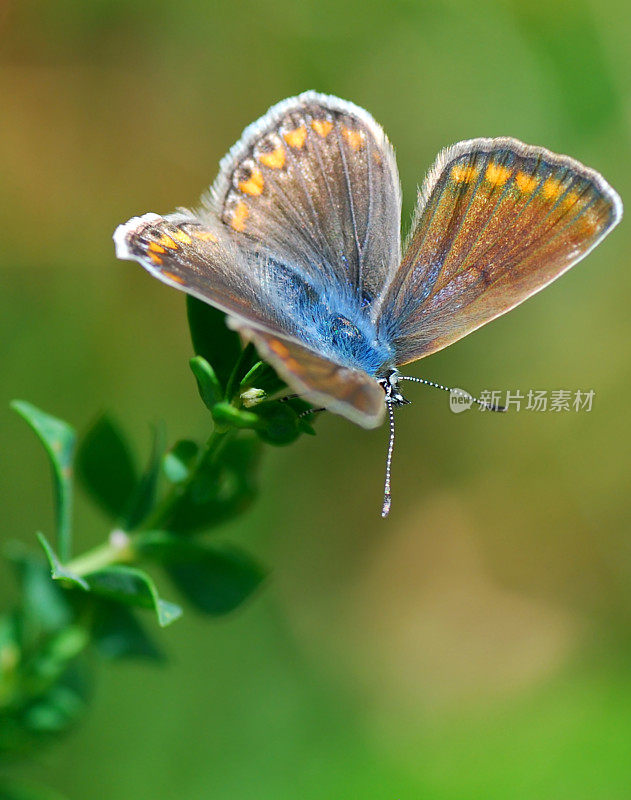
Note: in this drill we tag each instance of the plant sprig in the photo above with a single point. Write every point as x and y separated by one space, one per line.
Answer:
158 518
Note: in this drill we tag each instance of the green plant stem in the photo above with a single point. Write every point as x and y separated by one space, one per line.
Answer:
163 510
120 547
99 557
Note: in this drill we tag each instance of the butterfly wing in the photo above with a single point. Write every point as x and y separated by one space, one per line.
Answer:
198 259
343 390
314 182
204 261
496 222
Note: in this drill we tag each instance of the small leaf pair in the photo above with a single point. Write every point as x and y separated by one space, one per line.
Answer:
118 582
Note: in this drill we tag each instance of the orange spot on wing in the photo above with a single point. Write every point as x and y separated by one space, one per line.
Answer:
167 241
552 189
279 348
296 138
155 247
526 183
354 138
496 174
182 236
239 216
205 236
293 365
275 159
463 174
322 127
155 259
172 276
254 184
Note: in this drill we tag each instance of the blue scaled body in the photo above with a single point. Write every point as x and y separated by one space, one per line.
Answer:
329 318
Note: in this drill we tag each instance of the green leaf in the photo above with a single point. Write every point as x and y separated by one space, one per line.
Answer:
51 660
55 711
10 646
57 569
133 587
59 440
144 496
279 424
215 579
118 633
243 365
212 339
207 383
226 414
55 681
44 605
220 489
105 466
306 427
262 376
179 460
219 582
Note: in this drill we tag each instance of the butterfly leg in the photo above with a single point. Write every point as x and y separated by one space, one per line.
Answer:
309 411
304 413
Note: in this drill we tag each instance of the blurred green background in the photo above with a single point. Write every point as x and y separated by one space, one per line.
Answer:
478 643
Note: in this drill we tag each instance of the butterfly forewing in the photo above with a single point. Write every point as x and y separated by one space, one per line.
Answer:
314 182
199 259
496 222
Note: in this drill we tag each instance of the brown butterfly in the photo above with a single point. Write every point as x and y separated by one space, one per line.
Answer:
299 243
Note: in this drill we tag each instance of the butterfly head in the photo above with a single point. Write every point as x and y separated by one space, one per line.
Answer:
390 384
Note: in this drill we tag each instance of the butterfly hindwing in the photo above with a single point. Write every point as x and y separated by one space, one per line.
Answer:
314 182
497 221
343 390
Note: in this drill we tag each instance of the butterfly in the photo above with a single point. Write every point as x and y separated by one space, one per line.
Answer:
299 243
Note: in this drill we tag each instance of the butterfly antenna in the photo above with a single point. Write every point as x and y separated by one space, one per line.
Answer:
387 496
433 384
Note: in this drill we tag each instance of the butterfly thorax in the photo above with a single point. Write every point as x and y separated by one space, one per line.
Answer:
341 329
351 340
